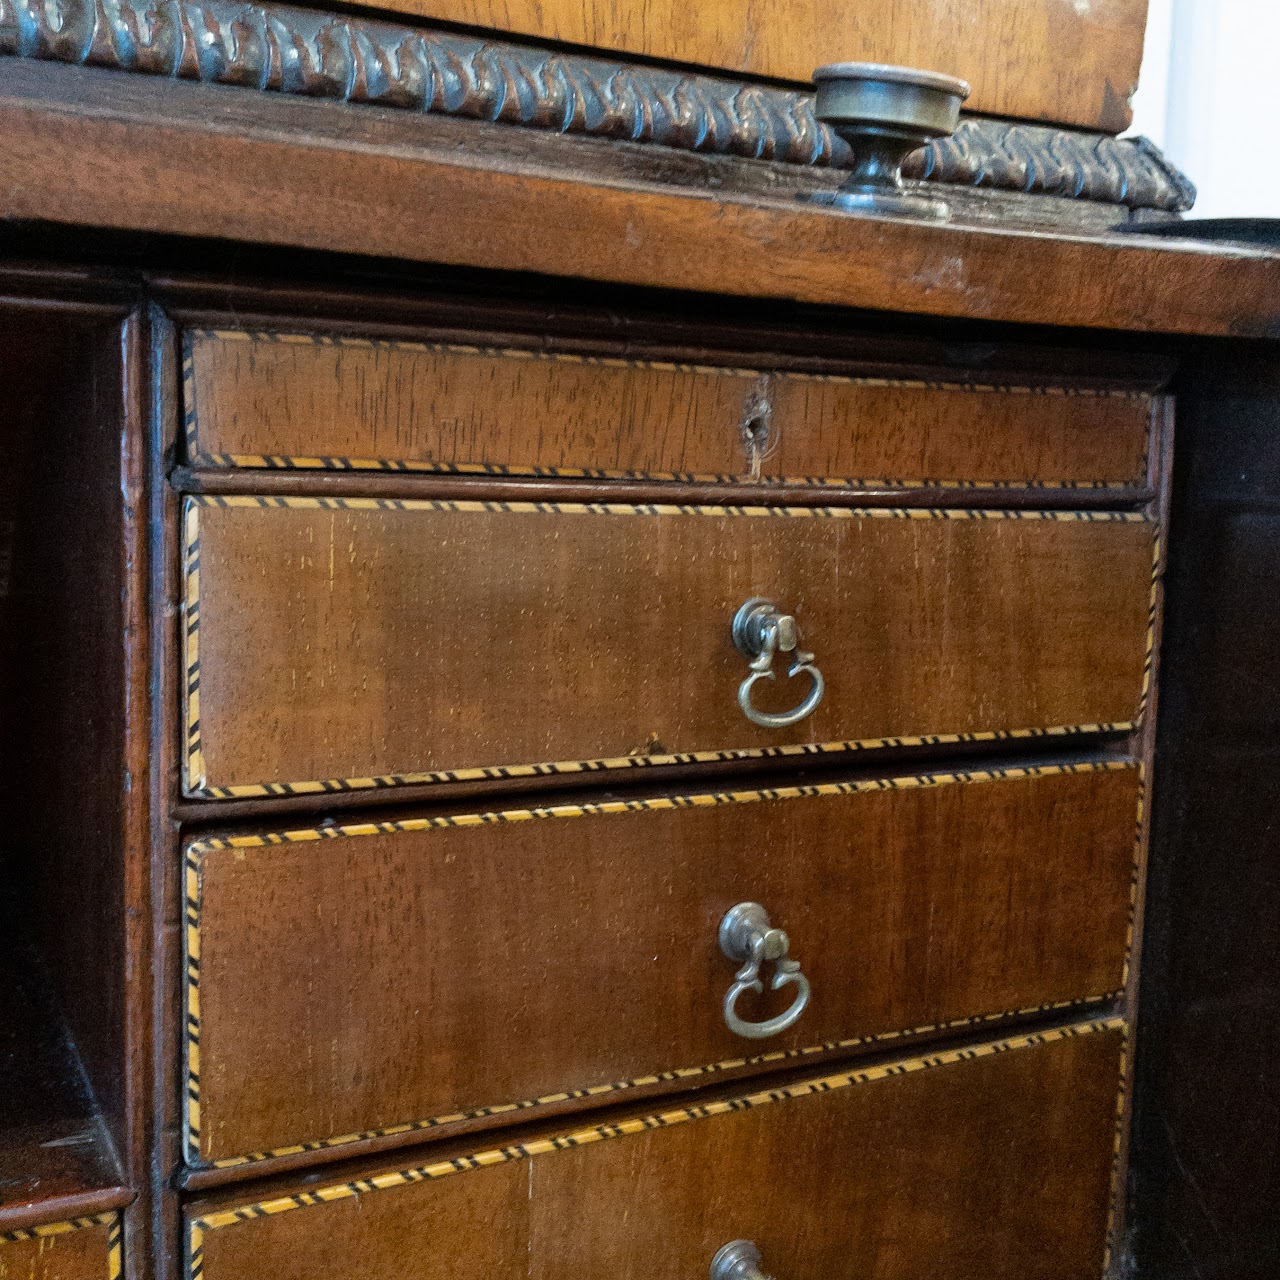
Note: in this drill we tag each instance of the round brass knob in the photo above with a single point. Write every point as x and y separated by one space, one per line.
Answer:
739 1260
885 113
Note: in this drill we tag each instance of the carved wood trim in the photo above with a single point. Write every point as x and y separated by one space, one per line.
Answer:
282 49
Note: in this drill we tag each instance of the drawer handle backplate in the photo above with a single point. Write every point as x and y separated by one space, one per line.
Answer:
738 1261
760 630
747 936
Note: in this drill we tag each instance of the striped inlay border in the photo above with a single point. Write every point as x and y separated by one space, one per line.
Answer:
1153 619
197 456
1135 884
195 781
1117 1180
193 882
217 1219
115 1236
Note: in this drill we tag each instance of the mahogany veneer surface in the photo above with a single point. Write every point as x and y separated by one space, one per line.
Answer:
381 641
282 399
84 1253
996 1167
383 977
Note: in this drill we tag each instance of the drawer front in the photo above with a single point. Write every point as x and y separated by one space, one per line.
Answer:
371 981
299 401
989 1163
340 643
81 1249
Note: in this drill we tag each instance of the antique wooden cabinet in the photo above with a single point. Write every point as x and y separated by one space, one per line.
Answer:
570 710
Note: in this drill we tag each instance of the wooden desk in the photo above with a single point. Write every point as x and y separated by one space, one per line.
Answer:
383 485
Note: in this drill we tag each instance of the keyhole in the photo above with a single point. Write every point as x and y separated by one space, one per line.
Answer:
755 435
755 431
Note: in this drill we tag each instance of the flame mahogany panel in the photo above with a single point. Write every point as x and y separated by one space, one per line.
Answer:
383 641
352 984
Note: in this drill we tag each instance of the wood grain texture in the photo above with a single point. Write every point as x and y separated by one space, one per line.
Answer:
349 985
1047 60
995 1167
113 151
451 406
280 399
63 1251
384 641
425 305
877 429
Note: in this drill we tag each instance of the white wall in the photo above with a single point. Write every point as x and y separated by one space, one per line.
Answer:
1210 99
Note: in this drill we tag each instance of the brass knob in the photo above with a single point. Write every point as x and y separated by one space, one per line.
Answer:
739 1260
885 113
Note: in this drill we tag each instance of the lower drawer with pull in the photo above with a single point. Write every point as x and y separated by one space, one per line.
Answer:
373 982
358 643
992 1162
77 1249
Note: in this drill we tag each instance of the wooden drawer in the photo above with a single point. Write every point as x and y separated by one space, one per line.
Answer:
346 643
81 1249
374 981
992 1162
298 401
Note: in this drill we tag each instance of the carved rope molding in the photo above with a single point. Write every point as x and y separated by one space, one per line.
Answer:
282 49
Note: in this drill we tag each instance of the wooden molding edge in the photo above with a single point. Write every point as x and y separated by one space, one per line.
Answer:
64 1213
306 53
117 153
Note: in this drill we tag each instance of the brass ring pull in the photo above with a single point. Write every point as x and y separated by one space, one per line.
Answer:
760 631
747 937
739 1260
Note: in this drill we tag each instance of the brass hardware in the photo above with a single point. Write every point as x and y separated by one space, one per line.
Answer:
760 631
747 937
738 1261
885 113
